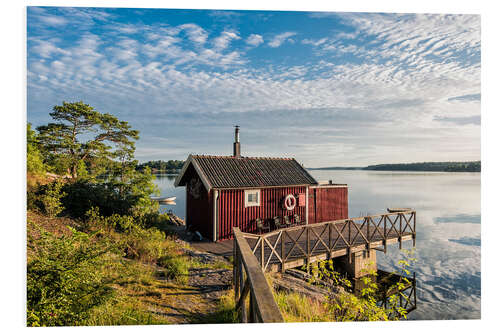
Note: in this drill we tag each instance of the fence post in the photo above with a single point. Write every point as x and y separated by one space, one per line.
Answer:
400 216
308 261
349 232
242 283
236 276
414 229
329 240
262 252
282 235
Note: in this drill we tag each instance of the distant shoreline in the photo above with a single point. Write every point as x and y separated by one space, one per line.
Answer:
473 166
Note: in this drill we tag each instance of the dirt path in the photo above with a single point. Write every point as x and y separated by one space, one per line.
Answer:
198 301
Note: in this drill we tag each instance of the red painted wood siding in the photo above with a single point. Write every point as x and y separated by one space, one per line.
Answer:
231 209
199 210
327 204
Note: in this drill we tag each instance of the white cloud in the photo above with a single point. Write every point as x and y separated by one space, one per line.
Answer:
254 40
195 33
314 42
225 39
281 38
47 48
53 20
397 94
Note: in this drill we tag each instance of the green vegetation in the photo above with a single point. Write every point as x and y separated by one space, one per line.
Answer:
430 166
34 159
346 304
171 166
474 166
99 252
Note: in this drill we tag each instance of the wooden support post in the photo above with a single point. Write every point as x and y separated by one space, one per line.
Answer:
308 255
251 310
400 217
234 260
242 295
414 236
262 263
368 229
236 272
349 232
385 226
330 239
282 252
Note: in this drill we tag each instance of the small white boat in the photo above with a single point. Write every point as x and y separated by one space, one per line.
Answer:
164 199
398 210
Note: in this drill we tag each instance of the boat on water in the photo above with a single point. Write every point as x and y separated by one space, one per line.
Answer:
398 210
164 199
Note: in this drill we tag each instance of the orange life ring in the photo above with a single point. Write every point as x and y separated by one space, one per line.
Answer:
290 202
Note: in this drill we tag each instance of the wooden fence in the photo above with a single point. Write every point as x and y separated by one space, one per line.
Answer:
294 246
250 282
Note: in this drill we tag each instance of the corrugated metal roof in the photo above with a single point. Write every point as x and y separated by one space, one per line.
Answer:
234 172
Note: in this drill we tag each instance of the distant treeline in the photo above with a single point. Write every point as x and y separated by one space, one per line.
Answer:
474 166
171 166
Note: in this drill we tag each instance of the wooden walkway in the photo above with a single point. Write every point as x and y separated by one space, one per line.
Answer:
295 246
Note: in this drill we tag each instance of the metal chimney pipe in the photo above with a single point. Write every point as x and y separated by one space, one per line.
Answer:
236 144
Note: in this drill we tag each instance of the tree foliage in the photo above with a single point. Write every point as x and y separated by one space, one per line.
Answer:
80 134
65 278
34 159
474 166
162 166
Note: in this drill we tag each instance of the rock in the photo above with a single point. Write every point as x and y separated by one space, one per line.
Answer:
292 284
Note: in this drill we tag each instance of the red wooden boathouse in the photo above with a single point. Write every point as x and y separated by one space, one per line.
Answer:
223 192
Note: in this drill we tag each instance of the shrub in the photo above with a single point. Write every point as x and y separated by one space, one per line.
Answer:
65 277
146 245
83 195
51 198
176 268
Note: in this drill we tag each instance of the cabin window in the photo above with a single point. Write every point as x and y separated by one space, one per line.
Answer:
252 198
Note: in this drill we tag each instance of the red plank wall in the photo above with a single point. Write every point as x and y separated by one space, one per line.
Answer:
199 210
231 209
327 203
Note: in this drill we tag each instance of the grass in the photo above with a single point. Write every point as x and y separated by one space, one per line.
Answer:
147 289
175 268
299 308
224 313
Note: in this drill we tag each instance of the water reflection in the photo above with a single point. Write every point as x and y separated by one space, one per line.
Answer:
165 183
448 209
405 296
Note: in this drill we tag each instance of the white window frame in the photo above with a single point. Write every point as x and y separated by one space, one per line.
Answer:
252 204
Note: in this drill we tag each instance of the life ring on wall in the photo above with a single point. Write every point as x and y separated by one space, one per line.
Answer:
290 202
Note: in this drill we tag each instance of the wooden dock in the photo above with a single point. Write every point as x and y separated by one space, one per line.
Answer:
295 246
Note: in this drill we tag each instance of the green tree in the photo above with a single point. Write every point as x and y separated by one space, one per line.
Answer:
80 134
34 159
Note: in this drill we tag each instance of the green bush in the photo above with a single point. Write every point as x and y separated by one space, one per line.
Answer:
176 268
84 195
146 245
66 277
51 198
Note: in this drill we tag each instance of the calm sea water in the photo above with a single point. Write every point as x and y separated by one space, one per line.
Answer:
448 248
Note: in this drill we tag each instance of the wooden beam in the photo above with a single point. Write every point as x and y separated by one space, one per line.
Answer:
265 305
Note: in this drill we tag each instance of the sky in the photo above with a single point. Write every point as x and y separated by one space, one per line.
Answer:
328 88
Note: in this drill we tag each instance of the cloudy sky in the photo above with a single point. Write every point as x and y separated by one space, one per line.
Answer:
330 89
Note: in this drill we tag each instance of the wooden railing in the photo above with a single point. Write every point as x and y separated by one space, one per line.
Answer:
249 281
290 246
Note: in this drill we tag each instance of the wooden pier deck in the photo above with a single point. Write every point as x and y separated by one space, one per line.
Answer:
294 246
